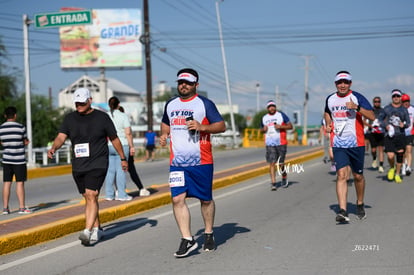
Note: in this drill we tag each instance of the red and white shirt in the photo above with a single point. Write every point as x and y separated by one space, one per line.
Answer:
348 128
409 131
273 136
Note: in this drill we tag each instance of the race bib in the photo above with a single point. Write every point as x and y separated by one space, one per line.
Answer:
81 150
177 179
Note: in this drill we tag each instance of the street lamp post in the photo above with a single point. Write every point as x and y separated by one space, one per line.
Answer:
26 23
225 73
257 97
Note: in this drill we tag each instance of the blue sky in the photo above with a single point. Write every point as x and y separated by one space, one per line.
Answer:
265 42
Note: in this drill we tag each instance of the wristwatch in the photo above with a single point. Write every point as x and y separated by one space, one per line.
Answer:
358 108
123 160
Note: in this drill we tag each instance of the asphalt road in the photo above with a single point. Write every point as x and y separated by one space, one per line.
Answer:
61 190
258 231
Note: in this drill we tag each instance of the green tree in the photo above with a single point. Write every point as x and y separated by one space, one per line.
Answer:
165 97
257 119
8 78
45 121
239 120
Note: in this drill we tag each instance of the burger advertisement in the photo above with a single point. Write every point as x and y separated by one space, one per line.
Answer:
111 41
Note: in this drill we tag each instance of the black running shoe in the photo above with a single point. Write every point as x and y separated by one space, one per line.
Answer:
285 183
209 243
186 247
274 187
361 212
342 216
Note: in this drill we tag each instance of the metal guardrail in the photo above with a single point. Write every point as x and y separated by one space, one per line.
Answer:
62 156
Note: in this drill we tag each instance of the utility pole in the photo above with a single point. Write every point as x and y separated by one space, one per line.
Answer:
305 105
258 97
278 97
145 39
226 75
26 23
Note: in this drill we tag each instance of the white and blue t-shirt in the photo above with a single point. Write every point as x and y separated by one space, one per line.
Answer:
348 128
189 149
273 136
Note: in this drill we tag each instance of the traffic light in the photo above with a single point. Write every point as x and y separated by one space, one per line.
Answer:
296 118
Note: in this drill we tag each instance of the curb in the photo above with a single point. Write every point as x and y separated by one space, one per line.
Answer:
39 234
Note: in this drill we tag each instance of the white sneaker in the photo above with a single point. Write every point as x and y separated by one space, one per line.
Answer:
374 164
144 192
127 198
381 169
403 168
97 234
408 171
85 237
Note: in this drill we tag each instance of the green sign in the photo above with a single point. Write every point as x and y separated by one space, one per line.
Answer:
60 19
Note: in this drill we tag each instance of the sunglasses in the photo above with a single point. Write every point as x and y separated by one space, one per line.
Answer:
180 82
342 81
377 101
81 103
396 96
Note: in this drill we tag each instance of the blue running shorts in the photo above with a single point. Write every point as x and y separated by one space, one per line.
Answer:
353 157
196 181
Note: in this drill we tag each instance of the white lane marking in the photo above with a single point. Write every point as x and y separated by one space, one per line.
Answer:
137 223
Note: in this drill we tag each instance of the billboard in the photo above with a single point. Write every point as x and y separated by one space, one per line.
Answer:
111 41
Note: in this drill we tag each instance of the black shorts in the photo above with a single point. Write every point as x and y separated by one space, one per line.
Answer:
276 154
18 170
150 147
376 140
409 140
394 144
92 180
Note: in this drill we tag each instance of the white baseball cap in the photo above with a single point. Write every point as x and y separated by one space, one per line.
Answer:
81 95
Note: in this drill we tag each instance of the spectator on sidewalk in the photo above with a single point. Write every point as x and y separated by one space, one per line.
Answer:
150 139
133 171
13 138
115 174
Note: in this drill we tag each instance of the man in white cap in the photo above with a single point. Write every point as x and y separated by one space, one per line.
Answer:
274 124
395 119
89 129
189 119
345 108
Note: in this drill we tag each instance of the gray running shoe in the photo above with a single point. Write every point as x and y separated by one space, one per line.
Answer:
85 237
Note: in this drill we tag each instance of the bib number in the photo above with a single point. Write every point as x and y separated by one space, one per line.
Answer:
177 179
81 150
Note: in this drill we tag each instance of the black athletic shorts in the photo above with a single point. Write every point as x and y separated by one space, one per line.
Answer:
18 170
92 180
394 144
409 140
376 140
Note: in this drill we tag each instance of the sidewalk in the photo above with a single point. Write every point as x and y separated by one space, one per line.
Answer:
42 226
